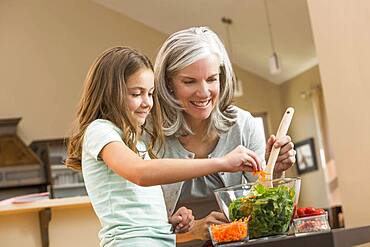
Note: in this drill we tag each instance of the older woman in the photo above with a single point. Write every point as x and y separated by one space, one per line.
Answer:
196 86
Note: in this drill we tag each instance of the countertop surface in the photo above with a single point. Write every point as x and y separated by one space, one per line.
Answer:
343 237
14 208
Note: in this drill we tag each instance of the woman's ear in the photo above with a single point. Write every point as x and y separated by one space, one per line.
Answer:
170 87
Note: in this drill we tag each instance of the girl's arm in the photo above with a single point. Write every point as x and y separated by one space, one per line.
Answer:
129 165
182 220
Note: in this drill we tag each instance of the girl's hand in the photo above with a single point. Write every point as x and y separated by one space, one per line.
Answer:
241 159
286 156
182 220
200 229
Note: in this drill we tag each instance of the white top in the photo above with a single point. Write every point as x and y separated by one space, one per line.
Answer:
130 215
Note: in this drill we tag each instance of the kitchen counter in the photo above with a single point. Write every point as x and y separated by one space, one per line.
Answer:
336 238
72 222
71 202
342 237
51 222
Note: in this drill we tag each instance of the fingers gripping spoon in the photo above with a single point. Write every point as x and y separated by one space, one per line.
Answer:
282 131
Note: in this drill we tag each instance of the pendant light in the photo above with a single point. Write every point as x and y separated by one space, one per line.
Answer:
228 22
274 62
238 87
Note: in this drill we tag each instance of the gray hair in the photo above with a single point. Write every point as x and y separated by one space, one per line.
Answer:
180 50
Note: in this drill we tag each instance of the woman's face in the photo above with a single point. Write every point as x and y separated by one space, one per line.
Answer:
140 87
197 87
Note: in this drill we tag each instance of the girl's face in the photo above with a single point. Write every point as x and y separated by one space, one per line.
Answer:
197 87
140 87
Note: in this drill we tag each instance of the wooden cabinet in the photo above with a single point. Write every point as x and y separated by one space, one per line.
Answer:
21 171
62 181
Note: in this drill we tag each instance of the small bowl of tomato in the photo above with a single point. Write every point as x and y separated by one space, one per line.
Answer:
311 220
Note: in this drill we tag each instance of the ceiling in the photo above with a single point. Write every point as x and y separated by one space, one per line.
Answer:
249 33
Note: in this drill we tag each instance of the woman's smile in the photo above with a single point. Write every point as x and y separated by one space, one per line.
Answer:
201 103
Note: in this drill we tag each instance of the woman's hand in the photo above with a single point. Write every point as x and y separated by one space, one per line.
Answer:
241 159
182 220
200 228
286 156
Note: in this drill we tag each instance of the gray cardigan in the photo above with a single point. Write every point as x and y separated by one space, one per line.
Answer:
244 132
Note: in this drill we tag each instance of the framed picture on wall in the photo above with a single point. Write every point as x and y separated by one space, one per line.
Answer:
305 156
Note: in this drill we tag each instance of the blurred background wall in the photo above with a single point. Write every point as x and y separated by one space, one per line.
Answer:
47 47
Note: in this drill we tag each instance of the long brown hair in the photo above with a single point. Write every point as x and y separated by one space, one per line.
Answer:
105 97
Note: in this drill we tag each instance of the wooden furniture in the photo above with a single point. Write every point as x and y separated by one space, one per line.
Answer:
62 181
51 222
21 171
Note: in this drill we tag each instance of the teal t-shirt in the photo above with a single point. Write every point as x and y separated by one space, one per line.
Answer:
130 215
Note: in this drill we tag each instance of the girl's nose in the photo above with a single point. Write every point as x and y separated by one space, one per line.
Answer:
146 101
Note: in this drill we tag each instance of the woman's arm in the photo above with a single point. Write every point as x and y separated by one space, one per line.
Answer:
129 165
199 231
185 237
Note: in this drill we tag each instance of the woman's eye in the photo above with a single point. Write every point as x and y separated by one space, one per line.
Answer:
135 94
212 79
189 82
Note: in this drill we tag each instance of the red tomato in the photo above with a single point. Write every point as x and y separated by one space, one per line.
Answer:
309 211
300 212
319 211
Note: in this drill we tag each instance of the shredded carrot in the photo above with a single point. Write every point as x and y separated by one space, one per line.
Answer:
234 231
261 174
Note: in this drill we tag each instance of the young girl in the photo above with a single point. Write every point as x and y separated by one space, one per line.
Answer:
121 180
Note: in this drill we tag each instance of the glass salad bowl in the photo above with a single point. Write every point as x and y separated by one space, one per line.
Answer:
268 207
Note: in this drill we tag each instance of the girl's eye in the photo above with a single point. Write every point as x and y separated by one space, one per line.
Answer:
135 94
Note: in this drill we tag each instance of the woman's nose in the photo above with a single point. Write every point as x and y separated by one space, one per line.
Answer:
203 89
